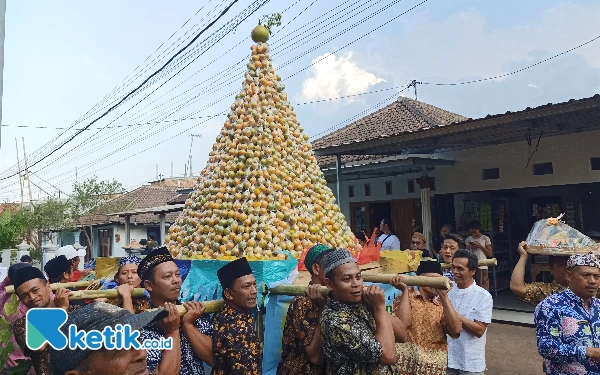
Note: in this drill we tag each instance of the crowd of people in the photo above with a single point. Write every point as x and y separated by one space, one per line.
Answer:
346 331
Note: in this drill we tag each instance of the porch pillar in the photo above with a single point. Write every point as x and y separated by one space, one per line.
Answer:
127 230
338 175
426 183
162 228
23 249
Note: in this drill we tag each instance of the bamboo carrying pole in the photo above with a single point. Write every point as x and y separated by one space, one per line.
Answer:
209 307
420 281
107 293
483 262
56 286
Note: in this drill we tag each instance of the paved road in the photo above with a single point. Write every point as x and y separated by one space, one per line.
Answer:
511 350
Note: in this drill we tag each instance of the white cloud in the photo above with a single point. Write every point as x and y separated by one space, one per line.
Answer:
336 76
532 85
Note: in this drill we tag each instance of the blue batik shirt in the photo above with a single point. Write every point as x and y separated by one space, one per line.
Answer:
565 328
449 275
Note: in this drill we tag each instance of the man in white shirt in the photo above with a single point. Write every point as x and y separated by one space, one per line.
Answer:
466 354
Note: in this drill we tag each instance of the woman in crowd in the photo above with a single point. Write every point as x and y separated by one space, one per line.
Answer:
125 280
388 240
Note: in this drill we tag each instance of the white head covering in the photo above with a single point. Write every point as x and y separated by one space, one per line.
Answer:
68 251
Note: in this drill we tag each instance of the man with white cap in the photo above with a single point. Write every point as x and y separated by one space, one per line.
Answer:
72 255
568 323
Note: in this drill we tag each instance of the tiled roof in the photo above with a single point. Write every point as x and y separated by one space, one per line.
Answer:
179 198
347 135
143 197
402 116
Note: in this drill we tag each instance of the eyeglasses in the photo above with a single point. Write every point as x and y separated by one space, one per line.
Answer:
416 242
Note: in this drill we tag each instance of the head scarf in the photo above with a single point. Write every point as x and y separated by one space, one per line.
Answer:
130 259
314 254
589 260
336 258
156 257
233 271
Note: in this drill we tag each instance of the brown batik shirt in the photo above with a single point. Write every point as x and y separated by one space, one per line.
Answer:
40 359
426 350
300 326
236 349
140 304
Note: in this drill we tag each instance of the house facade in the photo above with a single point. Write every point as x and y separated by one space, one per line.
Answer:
507 171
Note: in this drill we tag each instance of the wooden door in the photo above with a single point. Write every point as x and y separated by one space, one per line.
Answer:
404 219
105 242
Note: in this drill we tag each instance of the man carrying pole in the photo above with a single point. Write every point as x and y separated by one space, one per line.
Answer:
357 332
536 292
33 291
301 343
429 316
236 347
191 333
466 353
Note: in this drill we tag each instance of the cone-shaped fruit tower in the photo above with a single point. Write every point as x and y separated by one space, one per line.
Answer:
261 189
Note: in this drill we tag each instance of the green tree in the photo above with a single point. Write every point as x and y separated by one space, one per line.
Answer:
95 197
13 224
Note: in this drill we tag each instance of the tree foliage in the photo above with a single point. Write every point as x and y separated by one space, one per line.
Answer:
93 196
12 226
89 197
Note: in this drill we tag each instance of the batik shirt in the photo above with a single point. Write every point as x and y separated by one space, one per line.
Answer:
349 343
537 292
10 310
426 350
300 326
190 362
236 349
40 359
564 329
449 275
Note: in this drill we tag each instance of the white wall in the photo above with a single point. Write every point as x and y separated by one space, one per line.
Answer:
570 156
399 190
136 232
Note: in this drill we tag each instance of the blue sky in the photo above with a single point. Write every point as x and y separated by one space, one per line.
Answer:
61 58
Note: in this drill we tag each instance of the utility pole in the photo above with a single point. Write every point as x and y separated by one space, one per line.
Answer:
171 168
414 84
2 37
191 143
156 172
19 170
27 176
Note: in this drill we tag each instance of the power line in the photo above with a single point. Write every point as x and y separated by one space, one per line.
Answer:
513 72
199 71
119 87
134 90
335 51
243 15
357 116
